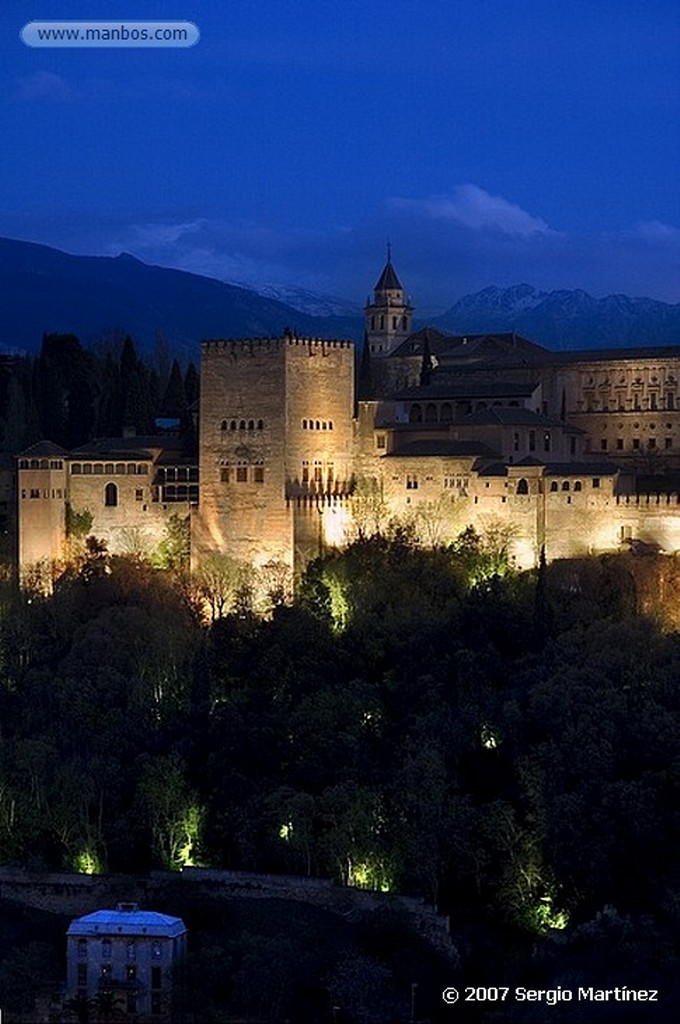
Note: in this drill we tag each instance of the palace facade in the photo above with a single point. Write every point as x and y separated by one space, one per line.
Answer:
300 449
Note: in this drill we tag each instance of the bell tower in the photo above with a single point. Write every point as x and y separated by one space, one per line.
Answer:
388 318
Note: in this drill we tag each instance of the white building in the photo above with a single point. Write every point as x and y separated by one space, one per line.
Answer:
128 952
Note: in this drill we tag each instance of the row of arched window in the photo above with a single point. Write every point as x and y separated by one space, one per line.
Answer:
41 464
242 425
109 468
317 424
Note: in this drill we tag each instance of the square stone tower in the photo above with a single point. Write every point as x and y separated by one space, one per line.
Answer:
275 439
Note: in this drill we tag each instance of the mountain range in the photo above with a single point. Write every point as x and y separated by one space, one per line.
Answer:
44 289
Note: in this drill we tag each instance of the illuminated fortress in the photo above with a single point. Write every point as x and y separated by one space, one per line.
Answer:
575 452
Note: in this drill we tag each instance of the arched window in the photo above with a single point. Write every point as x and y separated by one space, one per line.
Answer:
110 495
232 425
224 425
565 485
304 424
251 424
260 424
330 424
415 413
430 413
522 486
577 485
554 486
446 414
242 425
318 425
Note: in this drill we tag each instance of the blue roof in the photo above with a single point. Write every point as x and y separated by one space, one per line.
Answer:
127 922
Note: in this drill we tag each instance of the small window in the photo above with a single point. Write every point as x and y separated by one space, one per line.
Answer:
411 482
251 424
106 949
619 444
224 475
156 951
224 425
241 474
120 468
532 440
553 485
596 482
131 469
260 424
232 425
110 495
668 442
87 469
577 485
546 441
636 442
242 425
82 973
76 469
142 469
565 485
603 444
651 442
98 469
523 486
380 441
330 424
258 475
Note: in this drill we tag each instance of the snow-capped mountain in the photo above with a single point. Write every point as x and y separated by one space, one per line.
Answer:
305 301
565 318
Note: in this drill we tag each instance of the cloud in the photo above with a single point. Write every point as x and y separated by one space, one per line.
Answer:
44 85
470 206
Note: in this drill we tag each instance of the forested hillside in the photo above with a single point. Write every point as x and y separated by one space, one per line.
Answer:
421 721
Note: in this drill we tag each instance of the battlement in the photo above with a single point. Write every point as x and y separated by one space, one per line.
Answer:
655 498
246 345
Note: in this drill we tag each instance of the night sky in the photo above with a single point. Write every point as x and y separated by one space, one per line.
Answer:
493 141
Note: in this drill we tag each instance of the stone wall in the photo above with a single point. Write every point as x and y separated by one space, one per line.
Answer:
82 894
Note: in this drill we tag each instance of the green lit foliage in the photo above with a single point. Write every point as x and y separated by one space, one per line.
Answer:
173 551
171 810
78 523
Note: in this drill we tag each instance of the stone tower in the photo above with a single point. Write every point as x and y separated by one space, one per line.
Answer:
275 447
388 319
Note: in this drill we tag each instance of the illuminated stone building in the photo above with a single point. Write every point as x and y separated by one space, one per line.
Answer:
572 451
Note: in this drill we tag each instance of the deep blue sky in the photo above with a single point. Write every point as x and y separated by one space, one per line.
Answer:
494 141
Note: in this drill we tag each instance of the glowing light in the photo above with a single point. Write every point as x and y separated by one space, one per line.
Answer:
489 738
87 863
546 917
335 525
189 830
286 831
369 874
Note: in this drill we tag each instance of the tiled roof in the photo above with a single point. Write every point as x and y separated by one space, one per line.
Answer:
43 450
466 389
443 446
515 416
127 922
581 469
388 279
